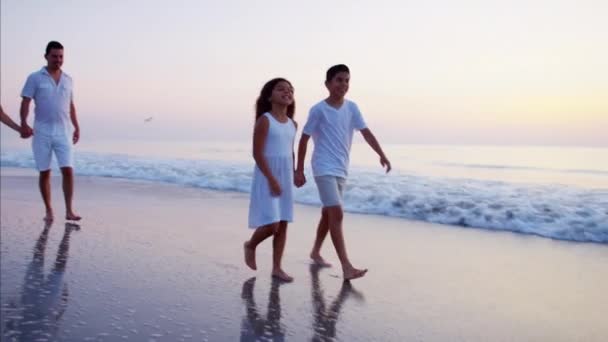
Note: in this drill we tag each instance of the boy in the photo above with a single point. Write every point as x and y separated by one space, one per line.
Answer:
331 124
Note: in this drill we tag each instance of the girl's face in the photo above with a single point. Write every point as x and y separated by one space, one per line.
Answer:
282 94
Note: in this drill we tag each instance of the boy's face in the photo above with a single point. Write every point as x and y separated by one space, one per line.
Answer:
338 86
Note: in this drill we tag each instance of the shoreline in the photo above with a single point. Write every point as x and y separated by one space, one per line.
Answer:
164 262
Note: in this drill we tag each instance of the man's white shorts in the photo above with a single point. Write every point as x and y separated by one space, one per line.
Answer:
44 146
331 190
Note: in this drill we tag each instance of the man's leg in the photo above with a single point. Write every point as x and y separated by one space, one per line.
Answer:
41 148
68 192
44 182
322 230
335 216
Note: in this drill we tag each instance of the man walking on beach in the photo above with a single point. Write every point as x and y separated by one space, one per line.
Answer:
51 90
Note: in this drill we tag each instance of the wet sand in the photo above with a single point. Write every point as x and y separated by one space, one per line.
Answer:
162 262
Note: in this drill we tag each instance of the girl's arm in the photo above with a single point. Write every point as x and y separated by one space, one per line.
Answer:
260 133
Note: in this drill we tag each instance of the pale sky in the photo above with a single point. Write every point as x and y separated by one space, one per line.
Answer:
441 72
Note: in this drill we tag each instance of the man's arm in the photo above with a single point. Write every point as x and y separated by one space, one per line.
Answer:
373 143
74 122
24 111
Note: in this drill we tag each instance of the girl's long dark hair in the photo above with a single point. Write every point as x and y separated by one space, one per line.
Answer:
263 105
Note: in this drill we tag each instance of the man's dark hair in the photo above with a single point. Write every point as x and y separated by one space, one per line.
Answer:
53 45
331 72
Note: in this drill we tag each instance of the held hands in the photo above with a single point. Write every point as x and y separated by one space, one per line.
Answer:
385 163
26 131
298 178
275 187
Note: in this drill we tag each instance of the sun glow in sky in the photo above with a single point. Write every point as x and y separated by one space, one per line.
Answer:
441 72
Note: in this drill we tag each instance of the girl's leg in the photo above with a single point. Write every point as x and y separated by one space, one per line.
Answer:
259 235
278 245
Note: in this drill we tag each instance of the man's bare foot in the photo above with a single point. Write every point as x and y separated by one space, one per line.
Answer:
49 216
281 275
318 260
249 256
72 217
354 274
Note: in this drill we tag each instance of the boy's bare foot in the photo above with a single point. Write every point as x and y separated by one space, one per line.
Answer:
49 216
249 256
69 227
354 273
281 275
318 260
72 217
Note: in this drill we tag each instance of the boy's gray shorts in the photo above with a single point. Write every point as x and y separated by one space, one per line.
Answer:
331 190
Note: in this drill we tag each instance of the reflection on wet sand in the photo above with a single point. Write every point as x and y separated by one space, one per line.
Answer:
325 318
254 326
37 316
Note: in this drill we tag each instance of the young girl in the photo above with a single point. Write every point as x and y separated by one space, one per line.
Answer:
271 206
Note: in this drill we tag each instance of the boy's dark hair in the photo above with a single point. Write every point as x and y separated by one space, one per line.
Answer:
53 45
331 72
263 105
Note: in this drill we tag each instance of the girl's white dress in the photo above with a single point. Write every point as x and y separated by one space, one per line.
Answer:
278 151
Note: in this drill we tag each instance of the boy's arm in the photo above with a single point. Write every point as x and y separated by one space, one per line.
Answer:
74 122
373 143
300 178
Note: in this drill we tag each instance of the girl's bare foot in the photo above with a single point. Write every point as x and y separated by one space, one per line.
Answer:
249 256
354 273
72 217
318 260
49 216
281 275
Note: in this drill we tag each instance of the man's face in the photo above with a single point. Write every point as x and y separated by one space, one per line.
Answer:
338 85
54 59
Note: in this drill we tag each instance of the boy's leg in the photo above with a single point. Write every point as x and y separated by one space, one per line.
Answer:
259 235
335 216
322 230
278 246
68 193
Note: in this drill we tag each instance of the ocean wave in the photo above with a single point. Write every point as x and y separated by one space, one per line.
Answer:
522 168
553 211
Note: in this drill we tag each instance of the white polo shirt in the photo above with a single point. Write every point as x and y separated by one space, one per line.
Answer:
332 131
52 101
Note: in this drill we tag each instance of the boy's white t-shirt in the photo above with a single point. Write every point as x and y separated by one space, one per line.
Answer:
332 131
